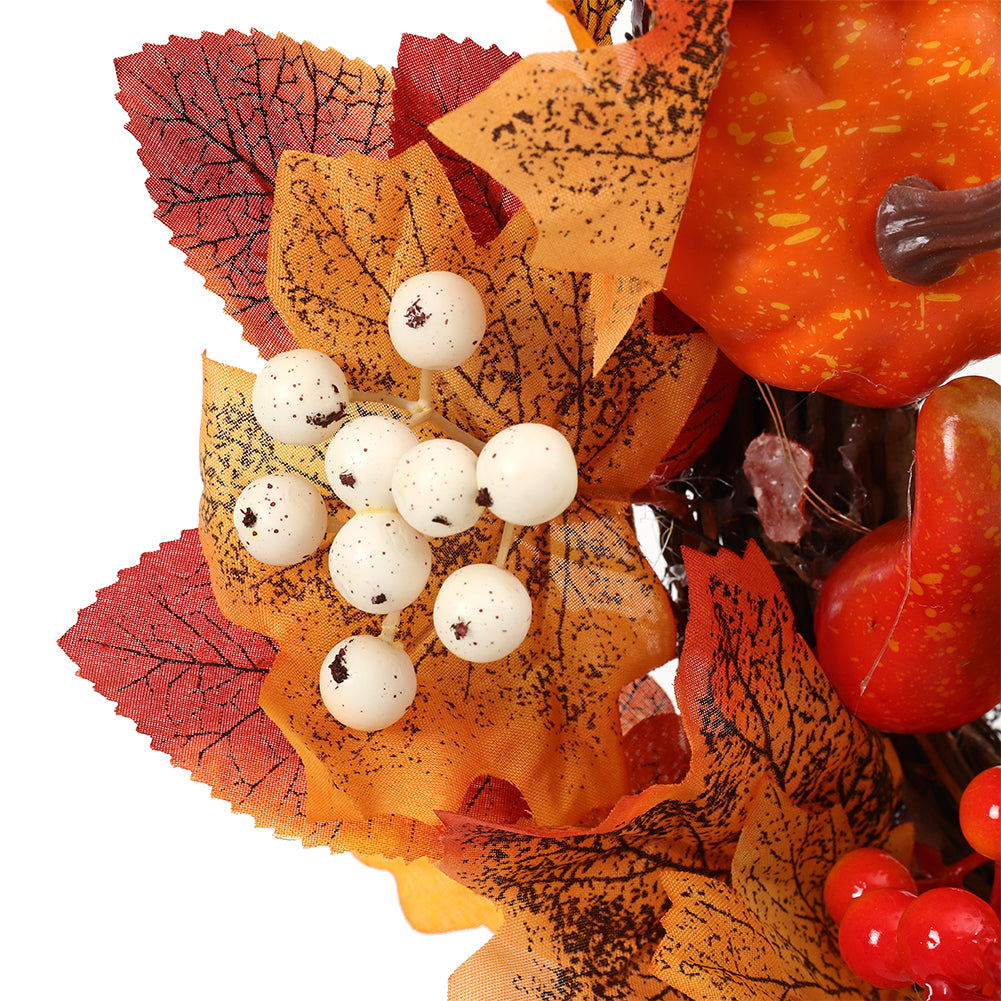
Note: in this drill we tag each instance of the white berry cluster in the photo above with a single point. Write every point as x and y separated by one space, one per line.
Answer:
402 491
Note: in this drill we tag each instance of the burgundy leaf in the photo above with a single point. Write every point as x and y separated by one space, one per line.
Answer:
435 76
156 643
213 116
705 422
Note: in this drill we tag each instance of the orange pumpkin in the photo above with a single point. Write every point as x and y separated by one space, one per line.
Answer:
820 108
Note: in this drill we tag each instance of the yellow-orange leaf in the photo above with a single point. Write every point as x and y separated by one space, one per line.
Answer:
782 859
546 718
766 933
599 144
714 947
345 234
590 21
432 902
582 907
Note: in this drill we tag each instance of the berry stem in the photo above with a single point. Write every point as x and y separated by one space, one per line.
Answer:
421 411
448 428
390 623
504 547
388 399
953 875
426 392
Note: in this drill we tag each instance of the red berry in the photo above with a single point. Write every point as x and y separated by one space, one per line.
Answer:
980 813
859 871
868 937
949 934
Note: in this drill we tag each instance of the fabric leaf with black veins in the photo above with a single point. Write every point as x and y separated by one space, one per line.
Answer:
767 933
597 16
435 76
212 116
584 906
156 644
590 21
544 719
599 144
782 860
346 233
716 948
640 700
817 751
706 421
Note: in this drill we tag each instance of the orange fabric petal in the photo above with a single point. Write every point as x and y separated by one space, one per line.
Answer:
767 930
582 907
590 21
432 902
599 144
332 280
714 947
545 719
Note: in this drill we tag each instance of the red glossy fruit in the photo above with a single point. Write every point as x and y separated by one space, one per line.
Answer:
861 871
950 935
980 813
867 937
907 623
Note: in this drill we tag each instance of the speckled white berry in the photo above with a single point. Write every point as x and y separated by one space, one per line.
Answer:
378 562
299 396
361 458
527 474
436 320
482 612
280 519
367 683
434 487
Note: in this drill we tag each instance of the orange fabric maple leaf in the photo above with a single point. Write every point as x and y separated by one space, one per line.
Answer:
599 144
766 929
582 907
546 718
590 21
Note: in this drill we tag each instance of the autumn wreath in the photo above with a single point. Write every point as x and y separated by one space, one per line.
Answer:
622 842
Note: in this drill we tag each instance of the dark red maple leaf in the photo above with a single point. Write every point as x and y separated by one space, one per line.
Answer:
705 422
213 115
435 76
653 736
712 408
156 643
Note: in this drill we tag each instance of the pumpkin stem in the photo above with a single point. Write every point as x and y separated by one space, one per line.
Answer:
923 233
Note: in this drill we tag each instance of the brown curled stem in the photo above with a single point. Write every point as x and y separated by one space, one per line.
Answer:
923 234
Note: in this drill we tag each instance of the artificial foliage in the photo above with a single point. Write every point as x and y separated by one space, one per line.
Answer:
621 841
583 907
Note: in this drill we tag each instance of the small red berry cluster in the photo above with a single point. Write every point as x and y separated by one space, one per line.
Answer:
944 938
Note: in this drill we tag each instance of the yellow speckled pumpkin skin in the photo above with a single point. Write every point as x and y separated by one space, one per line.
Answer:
820 107
922 602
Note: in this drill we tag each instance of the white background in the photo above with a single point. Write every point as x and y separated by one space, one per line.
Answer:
123 880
